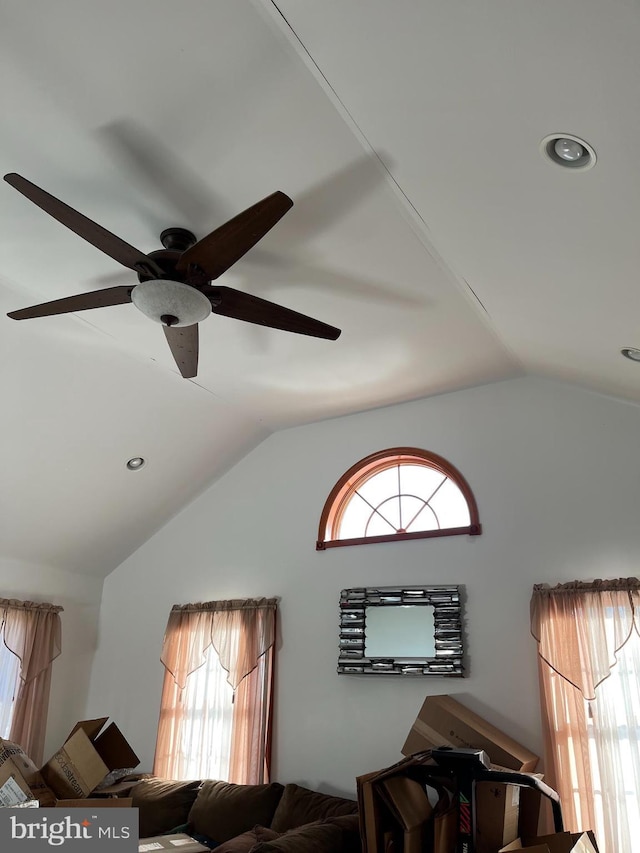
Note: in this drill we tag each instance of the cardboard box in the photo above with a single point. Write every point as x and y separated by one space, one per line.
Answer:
504 812
409 804
179 842
497 815
559 842
442 721
370 806
398 816
387 823
18 774
13 787
86 757
531 804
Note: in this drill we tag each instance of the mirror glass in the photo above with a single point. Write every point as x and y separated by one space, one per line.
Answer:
401 631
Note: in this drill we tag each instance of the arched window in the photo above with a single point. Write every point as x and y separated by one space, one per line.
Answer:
395 494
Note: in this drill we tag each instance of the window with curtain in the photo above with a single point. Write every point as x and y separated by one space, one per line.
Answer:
31 640
217 696
588 638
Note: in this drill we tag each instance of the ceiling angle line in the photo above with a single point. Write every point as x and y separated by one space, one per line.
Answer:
363 135
480 302
420 224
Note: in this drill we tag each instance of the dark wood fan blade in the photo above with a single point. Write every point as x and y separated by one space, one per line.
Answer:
219 250
81 302
252 309
183 342
90 231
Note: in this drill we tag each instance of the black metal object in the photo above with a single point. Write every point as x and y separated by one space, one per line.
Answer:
469 766
177 239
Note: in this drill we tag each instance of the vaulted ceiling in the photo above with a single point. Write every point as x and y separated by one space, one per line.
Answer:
426 224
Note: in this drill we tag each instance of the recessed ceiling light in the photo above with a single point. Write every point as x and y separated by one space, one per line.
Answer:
136 463
631 353
568 151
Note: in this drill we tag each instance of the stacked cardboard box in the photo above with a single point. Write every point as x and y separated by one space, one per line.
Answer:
73 772
505 814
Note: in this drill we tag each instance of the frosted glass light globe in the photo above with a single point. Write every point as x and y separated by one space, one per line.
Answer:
160 298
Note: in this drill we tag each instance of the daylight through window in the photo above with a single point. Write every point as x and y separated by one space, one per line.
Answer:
400 493
9 679
216 704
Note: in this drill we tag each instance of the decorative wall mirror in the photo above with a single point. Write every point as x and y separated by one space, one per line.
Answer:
401 630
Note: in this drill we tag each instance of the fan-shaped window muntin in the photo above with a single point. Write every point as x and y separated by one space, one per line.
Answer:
400 493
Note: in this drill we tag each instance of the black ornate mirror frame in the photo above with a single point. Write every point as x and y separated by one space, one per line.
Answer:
447 617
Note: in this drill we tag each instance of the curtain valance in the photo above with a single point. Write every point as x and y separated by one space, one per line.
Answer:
239 630
580 627
33 632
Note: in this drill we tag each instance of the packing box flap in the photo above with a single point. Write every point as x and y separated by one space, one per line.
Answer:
442 721
110 744
559 842
114 749
407 800
409 804
91 728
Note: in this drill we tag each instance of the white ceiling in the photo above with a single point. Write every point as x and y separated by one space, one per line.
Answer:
426 225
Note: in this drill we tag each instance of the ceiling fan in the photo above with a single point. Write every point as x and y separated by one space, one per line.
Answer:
174 286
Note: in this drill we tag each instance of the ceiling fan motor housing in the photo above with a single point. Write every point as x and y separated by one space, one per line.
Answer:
172 298
178 239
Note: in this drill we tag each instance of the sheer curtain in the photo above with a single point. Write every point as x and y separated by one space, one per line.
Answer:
33 633
217 696
589 666
9 681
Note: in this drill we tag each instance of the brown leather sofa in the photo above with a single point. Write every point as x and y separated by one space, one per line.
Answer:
230 818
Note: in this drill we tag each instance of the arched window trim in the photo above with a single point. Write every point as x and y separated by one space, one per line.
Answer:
336 503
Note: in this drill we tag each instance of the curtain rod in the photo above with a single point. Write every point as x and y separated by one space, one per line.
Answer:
231 604
29 605
598 585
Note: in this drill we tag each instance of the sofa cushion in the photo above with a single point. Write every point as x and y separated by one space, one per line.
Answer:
163 804
223 810
247 840
350 826
312 838
300 805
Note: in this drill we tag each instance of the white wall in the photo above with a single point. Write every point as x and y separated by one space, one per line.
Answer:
80 598
556 474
